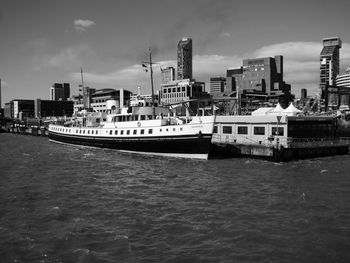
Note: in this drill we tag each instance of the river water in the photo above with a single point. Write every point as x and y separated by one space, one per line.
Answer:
62 203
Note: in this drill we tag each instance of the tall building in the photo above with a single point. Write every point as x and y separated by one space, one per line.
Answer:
168 74
0 94
217 86
184 59
329 63
260 75
60 91
344 81
259 80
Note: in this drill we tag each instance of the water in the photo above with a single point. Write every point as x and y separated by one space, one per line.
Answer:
61 203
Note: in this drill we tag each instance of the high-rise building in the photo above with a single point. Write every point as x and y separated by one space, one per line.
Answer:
344 81
168 74
217 86
184 59
60 91
329 63
0 93
260 75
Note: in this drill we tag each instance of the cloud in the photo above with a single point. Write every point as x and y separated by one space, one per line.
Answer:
67 59
301 67
82 25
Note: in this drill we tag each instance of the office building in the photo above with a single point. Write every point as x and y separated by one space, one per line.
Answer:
19 109
60 91
168 74
52 108
184 59
183 91
329 66
0 95
217 86
102 100
258 80
344 81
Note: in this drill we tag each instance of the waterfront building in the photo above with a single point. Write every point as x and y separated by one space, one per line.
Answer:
259 80
19 109
217 86
329 66
344 81
168 74
60 91
102 100
182 91
52 108
184 59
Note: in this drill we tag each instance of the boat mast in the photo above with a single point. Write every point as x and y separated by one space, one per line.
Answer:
150 65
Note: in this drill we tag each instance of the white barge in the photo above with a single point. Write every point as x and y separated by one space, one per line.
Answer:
277 136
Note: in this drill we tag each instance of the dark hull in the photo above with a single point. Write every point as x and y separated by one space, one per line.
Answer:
181 145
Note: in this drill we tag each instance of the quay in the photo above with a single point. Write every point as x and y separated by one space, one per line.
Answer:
277 137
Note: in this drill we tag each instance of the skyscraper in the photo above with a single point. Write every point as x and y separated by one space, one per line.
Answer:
329 62
184 59
0 93
60 91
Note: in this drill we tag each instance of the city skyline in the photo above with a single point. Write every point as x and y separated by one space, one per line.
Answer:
45 42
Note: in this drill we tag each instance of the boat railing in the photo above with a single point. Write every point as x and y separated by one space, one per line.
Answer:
313 142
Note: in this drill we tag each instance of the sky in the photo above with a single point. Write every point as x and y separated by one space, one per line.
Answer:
48 41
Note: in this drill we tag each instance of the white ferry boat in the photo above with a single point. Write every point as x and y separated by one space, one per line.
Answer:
140 129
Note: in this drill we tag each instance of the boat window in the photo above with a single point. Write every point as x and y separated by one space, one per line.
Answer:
121 132
174 89
160 130
181 129
80 131
169 90
116 132
83 131
164 91
135 132
77 131
142 131
174 129
227 129
183 89
128 132
279 129
178 89
143 117
215 129
259 130
110 132
242 130
88 131
150 131
92 132
149 117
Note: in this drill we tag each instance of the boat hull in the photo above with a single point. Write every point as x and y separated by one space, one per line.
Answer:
184 146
